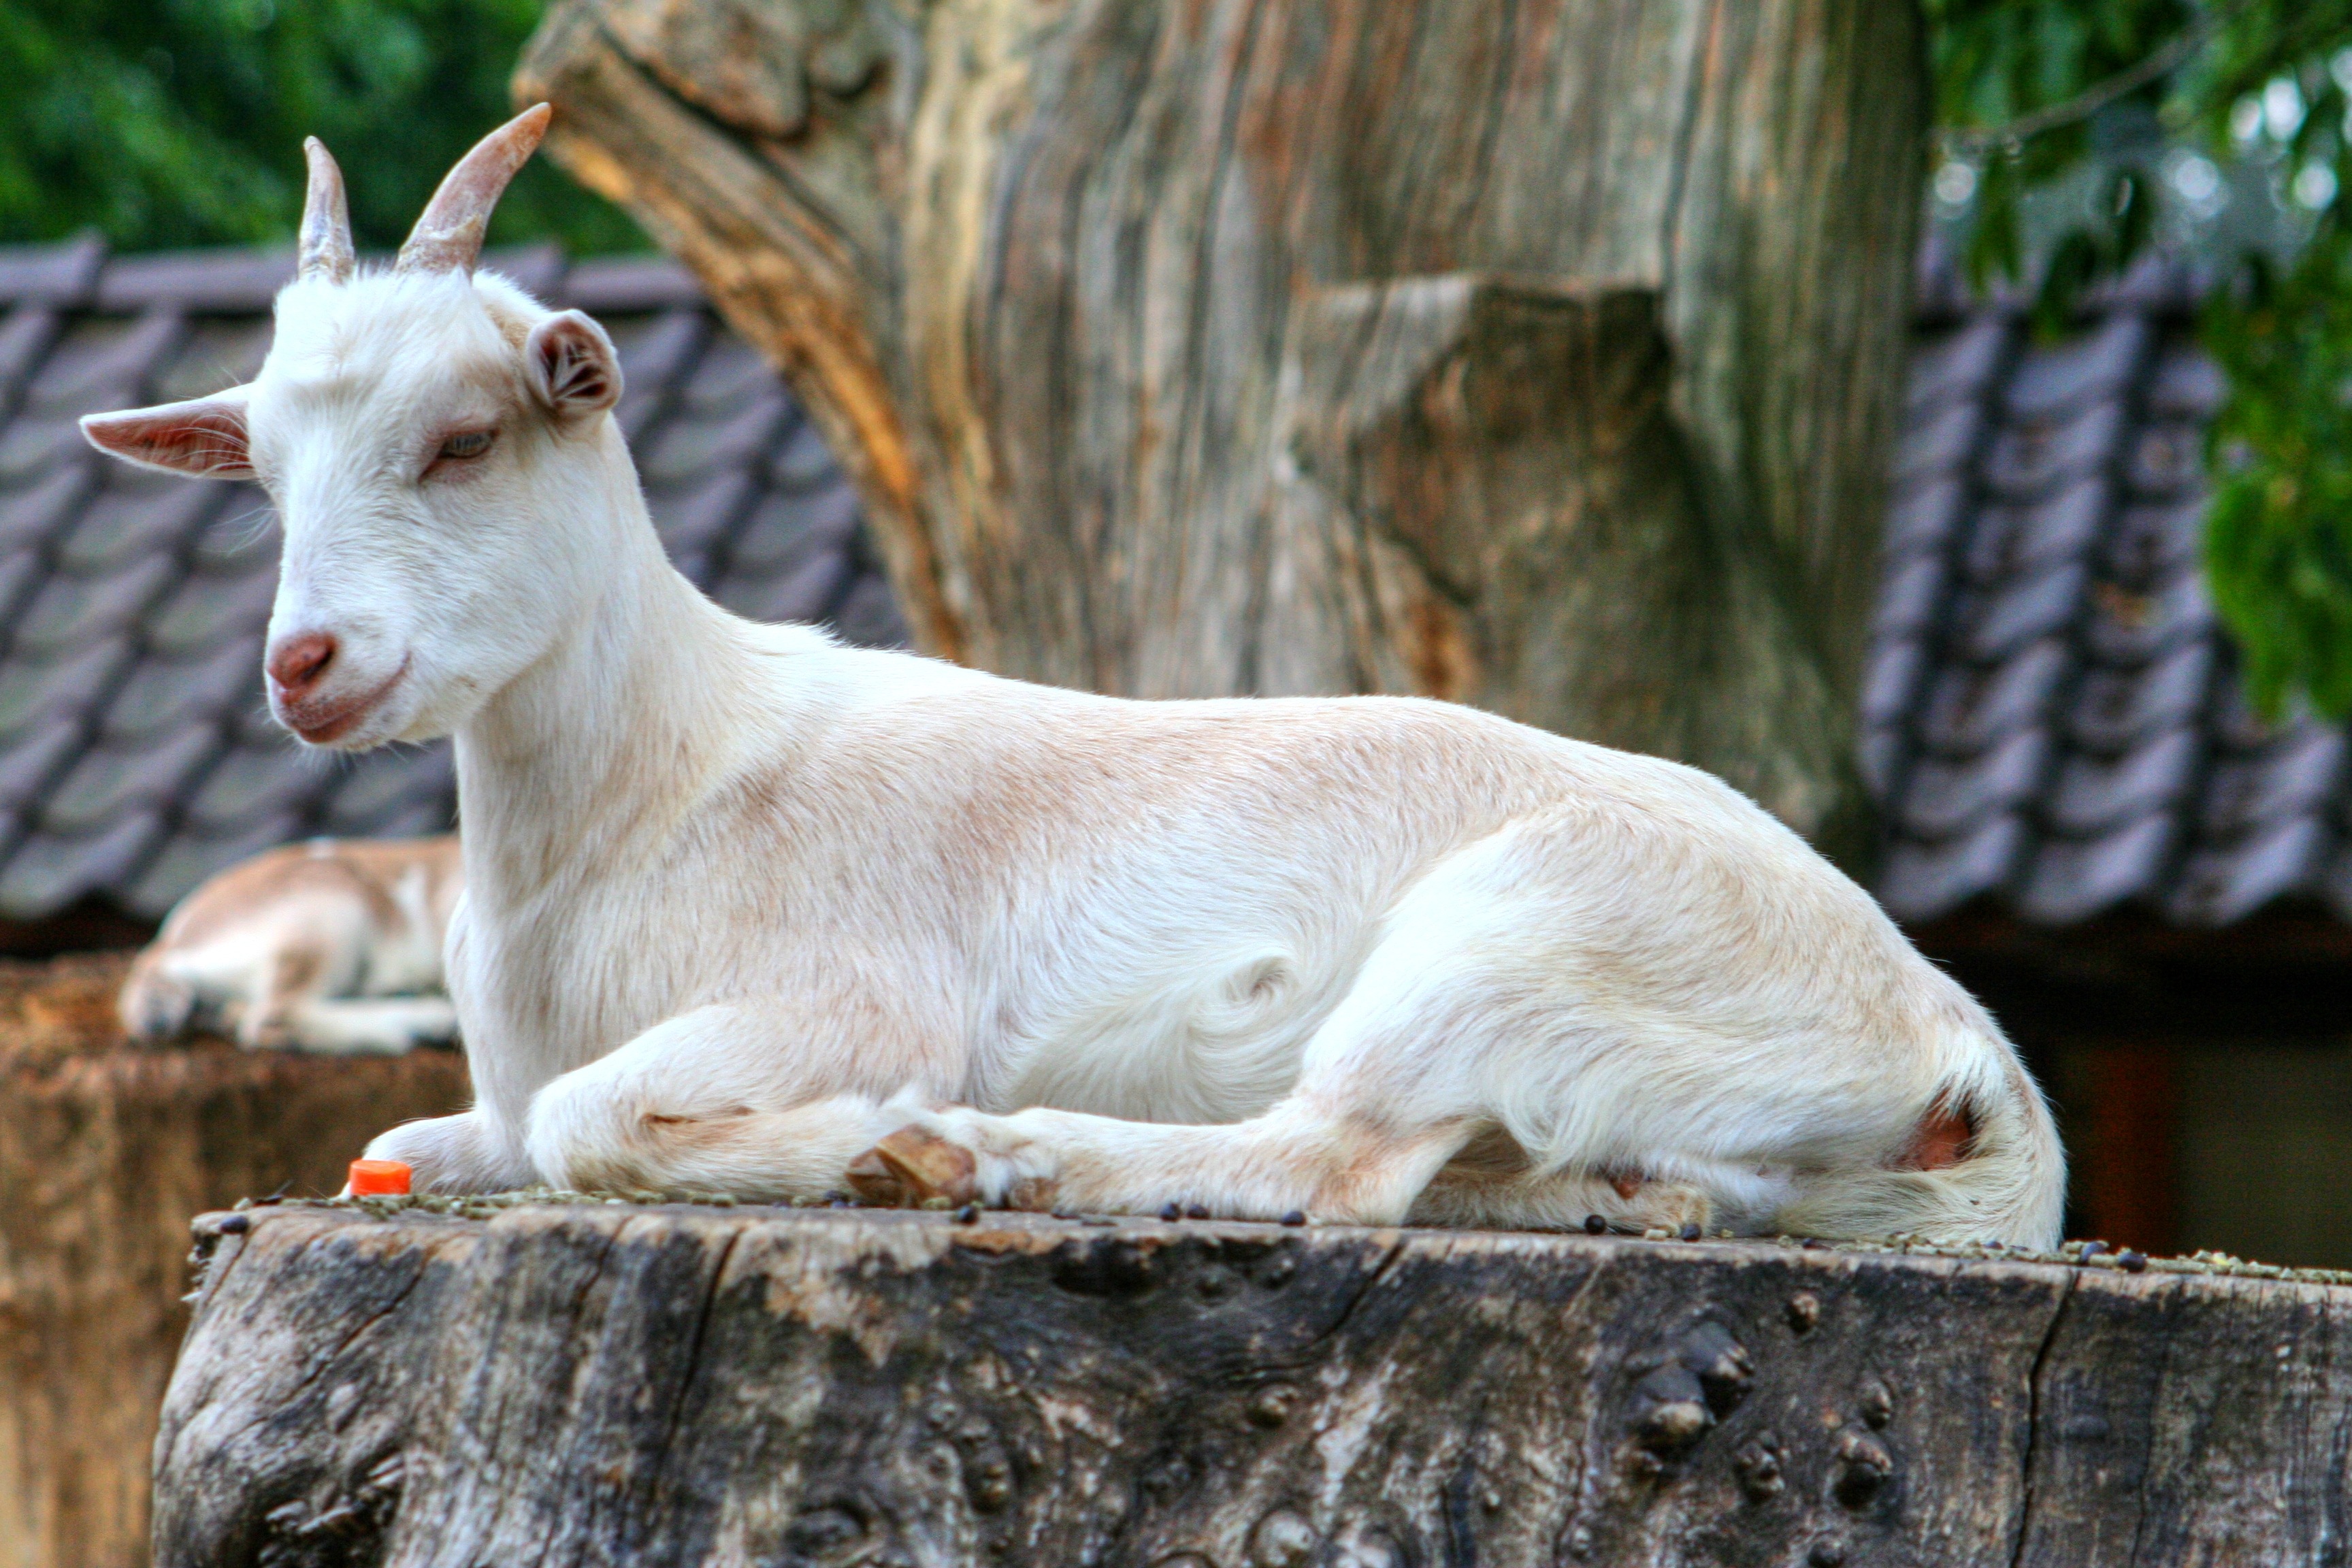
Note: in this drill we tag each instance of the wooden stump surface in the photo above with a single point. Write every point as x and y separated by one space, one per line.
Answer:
105 1151
614 1384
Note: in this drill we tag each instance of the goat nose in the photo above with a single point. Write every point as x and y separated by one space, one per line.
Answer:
297 663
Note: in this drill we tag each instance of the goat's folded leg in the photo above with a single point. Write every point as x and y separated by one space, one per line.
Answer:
701 1103
1297 1158
460 1153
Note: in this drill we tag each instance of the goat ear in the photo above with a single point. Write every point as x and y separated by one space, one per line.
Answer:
205 436
572 366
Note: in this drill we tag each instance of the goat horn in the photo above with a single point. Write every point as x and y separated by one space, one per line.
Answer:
448 236
326 245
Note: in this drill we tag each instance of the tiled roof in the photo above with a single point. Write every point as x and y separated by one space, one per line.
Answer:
136 754
2051 718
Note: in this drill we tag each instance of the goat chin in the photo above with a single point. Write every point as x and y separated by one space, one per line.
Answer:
746 908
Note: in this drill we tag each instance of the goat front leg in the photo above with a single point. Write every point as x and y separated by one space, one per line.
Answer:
727 1099
1297 1158
453 1154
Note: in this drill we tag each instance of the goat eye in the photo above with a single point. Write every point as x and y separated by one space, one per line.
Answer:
468 444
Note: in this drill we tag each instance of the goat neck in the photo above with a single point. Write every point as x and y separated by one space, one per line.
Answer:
597 750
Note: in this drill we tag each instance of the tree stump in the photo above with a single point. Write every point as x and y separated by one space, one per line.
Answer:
610 1384
1538 355
106 1149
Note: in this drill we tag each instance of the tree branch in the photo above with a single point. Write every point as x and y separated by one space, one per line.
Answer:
1961 141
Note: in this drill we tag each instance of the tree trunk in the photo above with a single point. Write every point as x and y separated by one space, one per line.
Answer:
1540 354
105 1150
614 1385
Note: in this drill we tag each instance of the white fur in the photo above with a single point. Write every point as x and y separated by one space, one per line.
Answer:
740 900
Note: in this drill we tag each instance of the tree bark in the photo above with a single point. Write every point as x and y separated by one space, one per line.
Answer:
1540 354
658 1386
105 1150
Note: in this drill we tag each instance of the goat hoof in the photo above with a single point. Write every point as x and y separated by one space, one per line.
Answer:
911 1165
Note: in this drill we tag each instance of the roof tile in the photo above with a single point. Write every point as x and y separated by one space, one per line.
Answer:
46 871
1909 596
1960 362
1922 880
2149 544
1880 755
2095 794
32 756
130 519
1949 796
2114 709
385 785
2053 381
2027 459
31 515
2073 879
1890 679
2227 881
205 611
107 781
68 687
2012 541
70 611
868 614
2166 460
26 334
1991 625
103 363
2185 384
1976 706
626 285
254 780
164 694
806 594
2129 627
2291 776
1940 443
1926 515
241 280
61 274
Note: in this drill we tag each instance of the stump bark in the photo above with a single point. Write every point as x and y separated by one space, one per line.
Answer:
106 1149
1540 354
655 1386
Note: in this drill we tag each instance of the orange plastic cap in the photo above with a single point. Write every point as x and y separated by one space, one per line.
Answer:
376 1178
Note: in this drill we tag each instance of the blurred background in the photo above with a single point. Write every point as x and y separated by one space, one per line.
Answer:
2101 721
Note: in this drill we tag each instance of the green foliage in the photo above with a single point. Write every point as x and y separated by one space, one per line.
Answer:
1996 63
2037 93
2278 530
180 123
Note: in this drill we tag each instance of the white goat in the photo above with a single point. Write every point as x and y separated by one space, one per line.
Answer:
746 909
333 945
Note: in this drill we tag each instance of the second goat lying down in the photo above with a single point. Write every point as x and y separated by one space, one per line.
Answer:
332 946
746 909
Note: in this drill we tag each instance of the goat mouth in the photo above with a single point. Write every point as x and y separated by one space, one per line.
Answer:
343 719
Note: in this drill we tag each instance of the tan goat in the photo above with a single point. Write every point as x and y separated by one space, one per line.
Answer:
333 945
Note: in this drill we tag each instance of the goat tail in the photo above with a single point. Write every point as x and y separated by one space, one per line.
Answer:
1983 1162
